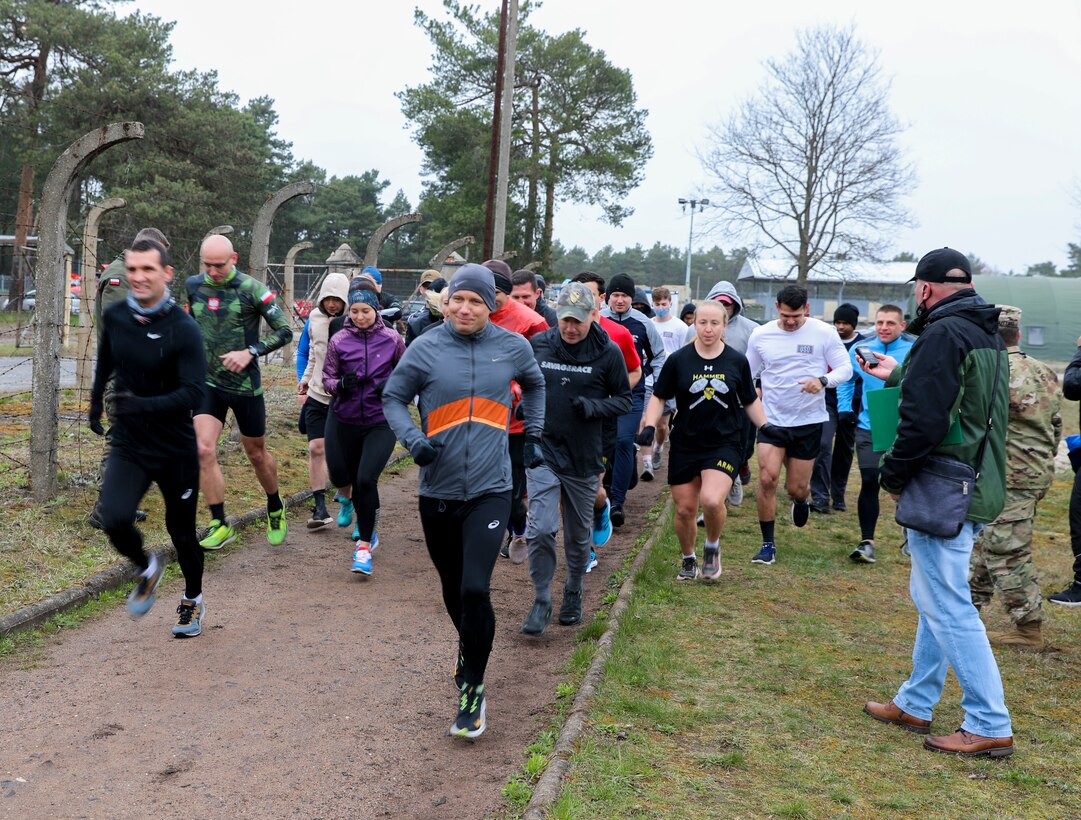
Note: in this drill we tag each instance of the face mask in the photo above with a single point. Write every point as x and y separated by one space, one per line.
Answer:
662 313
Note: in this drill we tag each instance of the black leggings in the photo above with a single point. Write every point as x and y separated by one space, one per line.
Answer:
518 509
463 539
356 456
867 505
127 478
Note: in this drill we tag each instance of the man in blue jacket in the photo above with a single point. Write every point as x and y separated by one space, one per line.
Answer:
889 341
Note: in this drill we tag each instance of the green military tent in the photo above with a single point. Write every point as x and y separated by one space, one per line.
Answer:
1051 311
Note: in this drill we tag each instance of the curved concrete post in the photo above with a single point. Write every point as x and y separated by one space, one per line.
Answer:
88 293
55 199
440 258
290 261
371 256
533 266
260 234
506 255
220 230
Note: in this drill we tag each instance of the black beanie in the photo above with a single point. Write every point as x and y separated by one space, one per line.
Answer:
847 313
621 283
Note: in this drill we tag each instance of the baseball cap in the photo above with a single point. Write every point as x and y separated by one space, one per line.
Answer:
429 275
936 266
575 302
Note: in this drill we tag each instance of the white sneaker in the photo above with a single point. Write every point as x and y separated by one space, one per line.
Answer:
735 495
647 468
658 456
518 550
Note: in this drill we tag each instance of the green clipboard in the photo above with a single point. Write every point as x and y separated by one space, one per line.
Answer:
884 413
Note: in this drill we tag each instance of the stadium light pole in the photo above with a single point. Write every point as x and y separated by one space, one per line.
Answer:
699 204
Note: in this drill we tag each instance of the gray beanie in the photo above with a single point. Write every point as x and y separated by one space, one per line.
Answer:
476 279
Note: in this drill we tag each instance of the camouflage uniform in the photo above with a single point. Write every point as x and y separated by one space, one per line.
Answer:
1002 556
112 287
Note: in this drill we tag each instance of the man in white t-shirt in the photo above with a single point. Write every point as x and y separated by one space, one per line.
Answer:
796 358
673 335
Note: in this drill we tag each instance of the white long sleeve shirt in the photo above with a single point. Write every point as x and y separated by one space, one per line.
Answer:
782 359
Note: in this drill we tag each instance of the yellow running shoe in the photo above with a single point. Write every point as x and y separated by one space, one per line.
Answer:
276 527
218 534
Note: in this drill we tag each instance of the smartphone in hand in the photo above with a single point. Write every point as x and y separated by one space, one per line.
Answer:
867 356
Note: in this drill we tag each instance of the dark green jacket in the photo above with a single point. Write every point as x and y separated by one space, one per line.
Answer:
112 288
949 373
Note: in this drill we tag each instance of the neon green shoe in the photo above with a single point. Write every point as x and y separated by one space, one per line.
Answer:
218 534
276 527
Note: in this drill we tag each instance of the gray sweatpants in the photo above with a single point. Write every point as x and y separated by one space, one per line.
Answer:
546 490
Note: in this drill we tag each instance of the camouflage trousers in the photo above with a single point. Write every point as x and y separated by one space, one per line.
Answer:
110 414
1002 559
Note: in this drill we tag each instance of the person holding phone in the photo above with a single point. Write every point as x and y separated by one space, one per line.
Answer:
888 341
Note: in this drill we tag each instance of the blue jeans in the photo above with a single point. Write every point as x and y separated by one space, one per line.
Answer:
951 634
626 463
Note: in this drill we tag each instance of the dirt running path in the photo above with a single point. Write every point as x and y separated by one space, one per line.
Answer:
311 693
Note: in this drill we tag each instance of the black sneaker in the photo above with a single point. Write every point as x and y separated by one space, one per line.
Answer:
1071 596
689 570
470 722
801 511
140 516
538 618
616 515
864 553
320 516
571 611
504 551
94 519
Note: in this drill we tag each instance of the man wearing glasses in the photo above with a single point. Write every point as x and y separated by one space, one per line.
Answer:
228 305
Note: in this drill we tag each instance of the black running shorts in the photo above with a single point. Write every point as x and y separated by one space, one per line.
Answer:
249 411
684 466
800 442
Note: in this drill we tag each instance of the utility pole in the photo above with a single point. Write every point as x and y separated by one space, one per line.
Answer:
699 203
497 119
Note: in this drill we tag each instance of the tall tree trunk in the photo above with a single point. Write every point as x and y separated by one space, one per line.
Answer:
549 206
529 244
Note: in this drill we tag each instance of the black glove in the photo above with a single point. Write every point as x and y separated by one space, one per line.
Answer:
579 406
645 438
769 429
94 419
425 451
349 383
378 388
519 411
125 403
847 418
531 453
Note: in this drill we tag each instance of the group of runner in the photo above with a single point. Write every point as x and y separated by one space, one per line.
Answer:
515 402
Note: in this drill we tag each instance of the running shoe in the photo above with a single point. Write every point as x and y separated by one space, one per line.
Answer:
470 722
615 513
189 622
711 568
745 473
345 512
218 534
362 561
504 549
647 468
801 511
602 525
735 495
1071 596
592 562
356 531
864 553
519 549
320 516
766 555
570 612
540 615
689 570
142 597
701 520
658 456
459 669
276 527
374 542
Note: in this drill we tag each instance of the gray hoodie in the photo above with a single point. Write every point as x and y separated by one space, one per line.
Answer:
739 326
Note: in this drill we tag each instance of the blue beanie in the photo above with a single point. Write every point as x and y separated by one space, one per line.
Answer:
476 279
368 297
373 272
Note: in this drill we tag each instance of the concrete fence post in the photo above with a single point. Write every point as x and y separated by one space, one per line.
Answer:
218 230
440 258
371 256
88 292
290 292
55 199
260 235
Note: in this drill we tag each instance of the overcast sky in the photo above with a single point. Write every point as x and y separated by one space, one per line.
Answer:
988 92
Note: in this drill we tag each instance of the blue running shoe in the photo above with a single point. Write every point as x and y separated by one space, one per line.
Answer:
356 531
142 596
766 555
375 541
801 511
189 622
345 514
592 562
362 561
602 525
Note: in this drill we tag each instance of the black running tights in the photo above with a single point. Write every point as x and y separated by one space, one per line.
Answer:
867 505
127 478
355 457
463 539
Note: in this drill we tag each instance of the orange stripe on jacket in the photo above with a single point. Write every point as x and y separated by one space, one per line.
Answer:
451 414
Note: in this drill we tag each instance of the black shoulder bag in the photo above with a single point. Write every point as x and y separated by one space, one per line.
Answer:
937 498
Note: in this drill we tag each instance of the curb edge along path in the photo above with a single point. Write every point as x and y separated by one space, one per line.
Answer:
121 573
550 784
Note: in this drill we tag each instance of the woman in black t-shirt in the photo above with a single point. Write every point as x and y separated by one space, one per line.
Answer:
713 389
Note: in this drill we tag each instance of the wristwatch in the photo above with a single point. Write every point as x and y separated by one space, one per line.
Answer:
823 380
254 351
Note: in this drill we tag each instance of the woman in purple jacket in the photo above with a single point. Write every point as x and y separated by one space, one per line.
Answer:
359 441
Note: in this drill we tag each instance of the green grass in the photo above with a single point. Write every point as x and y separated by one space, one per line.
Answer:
743 697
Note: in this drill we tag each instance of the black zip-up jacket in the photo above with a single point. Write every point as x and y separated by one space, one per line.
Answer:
594 373
950 373
1071 381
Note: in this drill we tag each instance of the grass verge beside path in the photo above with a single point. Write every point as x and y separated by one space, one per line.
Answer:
743 697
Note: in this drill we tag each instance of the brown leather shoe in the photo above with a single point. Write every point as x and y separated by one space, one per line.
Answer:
888 713
967 744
